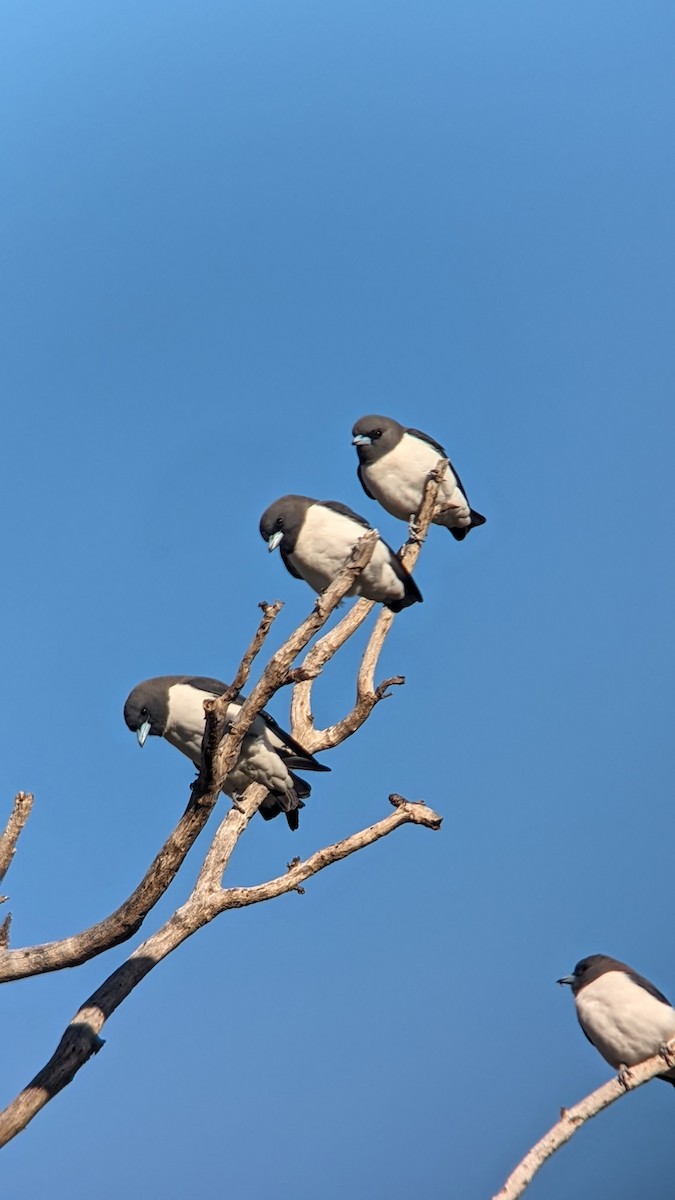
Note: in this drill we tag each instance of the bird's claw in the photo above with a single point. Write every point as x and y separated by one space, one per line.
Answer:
667 1054
624 1076
413 529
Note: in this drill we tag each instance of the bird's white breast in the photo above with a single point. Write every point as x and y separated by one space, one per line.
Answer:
326 541
625 1023
397 479
185 724
258 761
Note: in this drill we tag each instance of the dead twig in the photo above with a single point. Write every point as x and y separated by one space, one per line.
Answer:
23 803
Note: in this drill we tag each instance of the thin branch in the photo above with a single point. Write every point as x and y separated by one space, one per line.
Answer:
23 803
406 813
215 713
219 753
81 1039
367 694
124 922
270 613
225 839
571 1119
220 757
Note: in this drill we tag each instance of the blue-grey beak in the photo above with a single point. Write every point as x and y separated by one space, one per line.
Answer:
275 539
362 439
567 979
142 732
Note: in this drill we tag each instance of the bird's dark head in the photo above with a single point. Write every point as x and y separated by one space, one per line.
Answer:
590 968
146 710
281 523
374 436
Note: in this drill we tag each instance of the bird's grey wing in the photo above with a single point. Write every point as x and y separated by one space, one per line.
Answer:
204 684
476 517
288 564
359 472
585 1032
412 592
649 987
424 437
345 511
301 787
293 754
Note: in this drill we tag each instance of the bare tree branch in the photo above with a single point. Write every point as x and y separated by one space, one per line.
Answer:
367 694
121 924
220 750
571 1119
219 759
407 813
81 1039
23 803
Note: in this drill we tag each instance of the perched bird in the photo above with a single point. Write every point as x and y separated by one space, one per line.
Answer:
316 537
622 1014
394 463
172 706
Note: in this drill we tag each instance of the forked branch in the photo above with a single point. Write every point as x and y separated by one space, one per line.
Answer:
122 924
367 693
82 1038
220 750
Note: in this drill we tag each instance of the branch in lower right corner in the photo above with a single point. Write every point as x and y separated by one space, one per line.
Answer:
571 1119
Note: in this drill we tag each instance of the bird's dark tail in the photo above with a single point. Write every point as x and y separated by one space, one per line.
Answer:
459 534
276 802
270 809
301 787
411 595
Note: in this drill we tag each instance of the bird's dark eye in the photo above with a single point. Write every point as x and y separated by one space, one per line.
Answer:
145 712
377 433
279 522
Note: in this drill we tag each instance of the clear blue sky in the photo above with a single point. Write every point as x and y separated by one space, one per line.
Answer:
229 230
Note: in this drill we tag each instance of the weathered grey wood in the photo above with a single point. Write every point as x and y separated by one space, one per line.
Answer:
208 898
